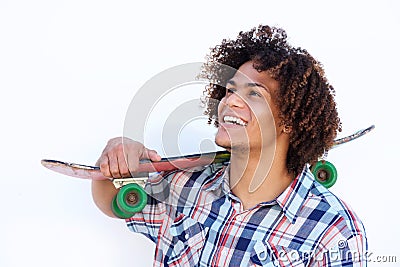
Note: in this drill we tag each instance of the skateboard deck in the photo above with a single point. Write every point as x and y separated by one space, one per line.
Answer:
352 137
145 166
166 164
131 197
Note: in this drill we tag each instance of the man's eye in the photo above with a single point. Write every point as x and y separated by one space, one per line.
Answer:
230 91
254 93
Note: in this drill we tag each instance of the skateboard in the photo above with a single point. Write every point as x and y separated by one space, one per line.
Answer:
131 197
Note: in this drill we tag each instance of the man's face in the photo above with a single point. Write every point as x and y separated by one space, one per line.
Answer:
247 115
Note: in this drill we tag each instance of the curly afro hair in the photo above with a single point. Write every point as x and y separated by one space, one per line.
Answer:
305 98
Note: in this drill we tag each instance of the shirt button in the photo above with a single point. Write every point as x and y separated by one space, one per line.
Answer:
262 256
239 217
187 236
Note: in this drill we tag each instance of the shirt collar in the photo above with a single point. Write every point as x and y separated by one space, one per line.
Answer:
221 177
291 200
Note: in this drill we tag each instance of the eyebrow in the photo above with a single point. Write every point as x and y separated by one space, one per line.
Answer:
232 82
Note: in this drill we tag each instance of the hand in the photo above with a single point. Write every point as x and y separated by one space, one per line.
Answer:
121 157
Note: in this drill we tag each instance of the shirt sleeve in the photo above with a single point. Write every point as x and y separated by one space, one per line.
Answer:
169 193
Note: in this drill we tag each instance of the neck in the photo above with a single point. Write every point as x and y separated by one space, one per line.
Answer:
258 175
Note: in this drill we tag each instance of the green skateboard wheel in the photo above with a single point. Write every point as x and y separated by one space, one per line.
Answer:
223 157
325 173
118 212
131 198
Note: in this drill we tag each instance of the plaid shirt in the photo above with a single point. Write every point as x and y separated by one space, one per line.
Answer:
195 220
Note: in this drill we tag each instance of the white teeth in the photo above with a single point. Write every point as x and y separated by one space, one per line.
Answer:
234 120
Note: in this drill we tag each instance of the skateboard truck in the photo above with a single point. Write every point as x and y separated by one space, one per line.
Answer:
139 179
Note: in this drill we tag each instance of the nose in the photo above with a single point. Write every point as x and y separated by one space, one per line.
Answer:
234 100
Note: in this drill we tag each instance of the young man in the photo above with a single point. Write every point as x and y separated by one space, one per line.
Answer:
264 208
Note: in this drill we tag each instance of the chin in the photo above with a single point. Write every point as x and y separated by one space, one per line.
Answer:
239 147
223 142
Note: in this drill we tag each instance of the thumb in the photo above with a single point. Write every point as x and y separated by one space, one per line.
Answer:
151 154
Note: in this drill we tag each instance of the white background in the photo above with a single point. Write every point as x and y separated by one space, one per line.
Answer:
68 70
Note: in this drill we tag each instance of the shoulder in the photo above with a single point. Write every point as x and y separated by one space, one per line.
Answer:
183 187
340 212
343 232
316 213
310 201
198 175
327 225
193 176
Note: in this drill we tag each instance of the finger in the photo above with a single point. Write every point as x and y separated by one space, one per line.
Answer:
104 165
114 165
151 154
132 160
123 165
100 160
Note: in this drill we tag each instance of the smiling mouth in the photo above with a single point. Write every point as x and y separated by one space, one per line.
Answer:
234 121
